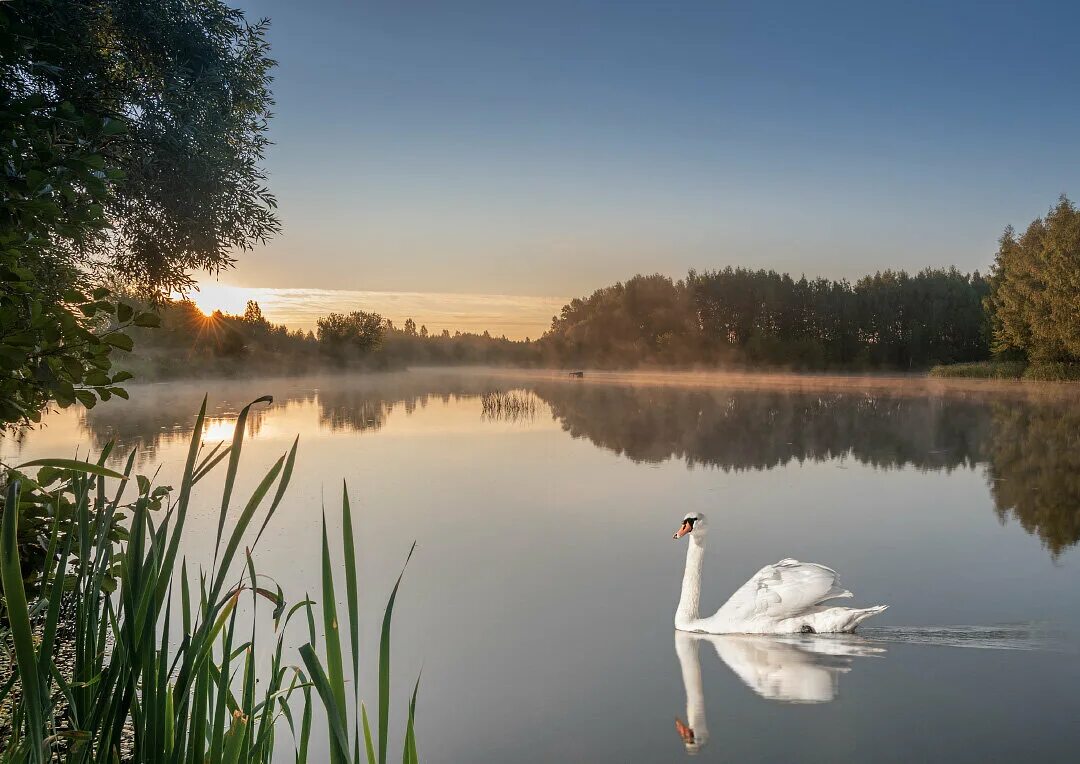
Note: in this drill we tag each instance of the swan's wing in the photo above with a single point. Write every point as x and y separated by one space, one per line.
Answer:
785 590
778 670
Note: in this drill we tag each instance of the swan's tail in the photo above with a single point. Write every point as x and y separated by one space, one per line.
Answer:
859 615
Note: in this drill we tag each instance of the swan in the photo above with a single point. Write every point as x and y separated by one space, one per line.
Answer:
787 669
785 598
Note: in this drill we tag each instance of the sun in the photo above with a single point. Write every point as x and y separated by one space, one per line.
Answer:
230 300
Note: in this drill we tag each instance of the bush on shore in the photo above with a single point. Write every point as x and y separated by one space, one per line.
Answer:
1037 372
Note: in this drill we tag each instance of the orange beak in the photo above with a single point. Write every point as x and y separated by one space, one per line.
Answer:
686 733
683 530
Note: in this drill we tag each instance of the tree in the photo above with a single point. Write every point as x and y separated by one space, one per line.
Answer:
357 333
131 136
181 88
410 327
253 314
1034 286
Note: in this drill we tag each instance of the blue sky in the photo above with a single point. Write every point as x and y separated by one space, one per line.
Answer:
547 148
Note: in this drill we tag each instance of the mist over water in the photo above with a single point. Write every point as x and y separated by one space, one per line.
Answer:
541 595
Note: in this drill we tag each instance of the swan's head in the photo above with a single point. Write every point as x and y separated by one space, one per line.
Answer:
694 523
690 739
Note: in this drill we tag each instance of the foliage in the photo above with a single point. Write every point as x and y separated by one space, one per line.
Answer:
979 370
130 136
54 341
180 90
649 318
735 315
1053 371
1035 283
204 698
58 351
344 335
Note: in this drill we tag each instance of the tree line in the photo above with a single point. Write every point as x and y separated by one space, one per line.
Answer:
1023 318
889 320
190 343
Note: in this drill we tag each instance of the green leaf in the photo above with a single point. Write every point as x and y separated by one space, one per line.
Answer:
119 340
72 464
148 319
384 663
18 617
124 312
86 398
339 739
113 127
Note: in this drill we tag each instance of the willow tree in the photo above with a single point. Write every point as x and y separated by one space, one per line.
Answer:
1035 288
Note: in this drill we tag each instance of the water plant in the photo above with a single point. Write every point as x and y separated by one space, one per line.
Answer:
511 405
157 667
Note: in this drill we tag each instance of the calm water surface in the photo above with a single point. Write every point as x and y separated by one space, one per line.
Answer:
540 599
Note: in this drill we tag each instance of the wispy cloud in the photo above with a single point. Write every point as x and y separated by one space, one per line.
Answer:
516 316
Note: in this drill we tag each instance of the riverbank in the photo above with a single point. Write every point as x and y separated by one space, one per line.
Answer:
1035 372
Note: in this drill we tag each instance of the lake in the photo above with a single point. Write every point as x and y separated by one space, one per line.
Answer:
539 601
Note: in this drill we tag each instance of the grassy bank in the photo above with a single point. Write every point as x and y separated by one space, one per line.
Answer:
1038 372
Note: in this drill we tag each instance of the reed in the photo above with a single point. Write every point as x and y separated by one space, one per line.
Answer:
127 692
512 405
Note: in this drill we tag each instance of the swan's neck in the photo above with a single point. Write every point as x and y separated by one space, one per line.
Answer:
686 648
690 599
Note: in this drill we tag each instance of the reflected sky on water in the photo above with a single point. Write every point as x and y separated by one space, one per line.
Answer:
540 598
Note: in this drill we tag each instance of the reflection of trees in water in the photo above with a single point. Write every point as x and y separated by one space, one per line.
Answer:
1031 449
160 415
1034 471
736 430
366 404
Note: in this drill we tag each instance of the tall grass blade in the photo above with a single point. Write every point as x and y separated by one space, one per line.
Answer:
339 739
74 465
352 595
19 626
334 668
234 464
384 663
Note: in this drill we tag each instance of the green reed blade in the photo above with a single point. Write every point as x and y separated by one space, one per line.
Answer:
286 476
241 525
335 714
384 663
368 745
334 668
409 755
19 623
74 465
234 463
352 595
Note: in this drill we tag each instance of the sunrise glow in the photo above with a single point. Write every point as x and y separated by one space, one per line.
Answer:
228 299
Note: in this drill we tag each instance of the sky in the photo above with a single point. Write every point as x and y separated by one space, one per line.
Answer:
508 155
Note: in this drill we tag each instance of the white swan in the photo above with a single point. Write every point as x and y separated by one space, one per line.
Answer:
788 669
785 598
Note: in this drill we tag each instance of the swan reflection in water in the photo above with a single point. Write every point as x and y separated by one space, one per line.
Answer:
788 669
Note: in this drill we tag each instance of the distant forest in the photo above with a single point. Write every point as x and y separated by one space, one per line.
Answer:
890 320
1023 316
